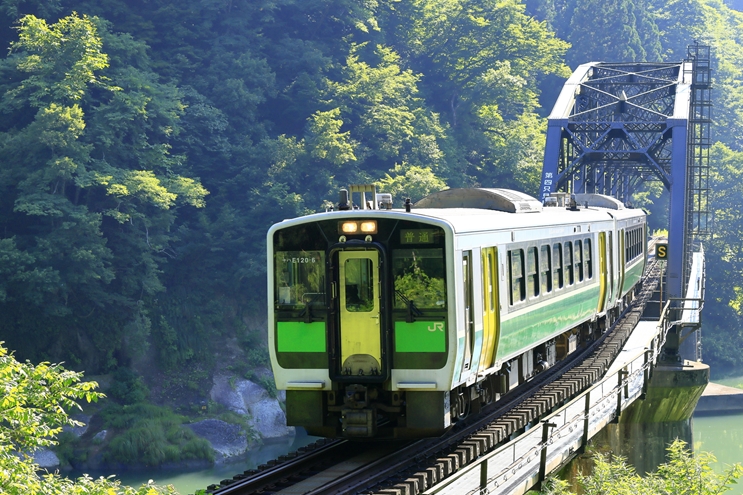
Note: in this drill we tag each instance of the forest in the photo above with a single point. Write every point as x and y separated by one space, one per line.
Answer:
147 146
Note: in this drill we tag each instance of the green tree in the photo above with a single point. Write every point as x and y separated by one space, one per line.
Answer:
724 255
90 190
34 407
410 181
482 85
611 32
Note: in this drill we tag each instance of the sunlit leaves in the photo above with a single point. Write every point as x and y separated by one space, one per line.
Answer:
685 473
62 59
325 140
35 403
412 182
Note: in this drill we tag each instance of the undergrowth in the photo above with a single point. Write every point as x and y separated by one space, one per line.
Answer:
153 436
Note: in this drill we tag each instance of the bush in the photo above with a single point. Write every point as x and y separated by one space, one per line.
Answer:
154 439
685 473
128 387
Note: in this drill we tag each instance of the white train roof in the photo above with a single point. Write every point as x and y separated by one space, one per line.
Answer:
471 211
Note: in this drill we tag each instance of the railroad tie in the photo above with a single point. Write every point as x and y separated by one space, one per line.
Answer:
476 447
421 478
452 463
434 474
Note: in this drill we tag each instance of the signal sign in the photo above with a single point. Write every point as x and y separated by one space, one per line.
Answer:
661 251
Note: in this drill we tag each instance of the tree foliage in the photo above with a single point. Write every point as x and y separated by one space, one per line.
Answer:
685 473
35 405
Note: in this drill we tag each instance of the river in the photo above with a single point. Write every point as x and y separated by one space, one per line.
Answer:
188 482
722 435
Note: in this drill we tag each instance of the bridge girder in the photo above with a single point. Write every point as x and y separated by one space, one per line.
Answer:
617 125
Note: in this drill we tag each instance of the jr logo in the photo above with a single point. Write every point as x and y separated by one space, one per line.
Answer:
437 325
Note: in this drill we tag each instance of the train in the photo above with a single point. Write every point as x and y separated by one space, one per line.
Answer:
397 323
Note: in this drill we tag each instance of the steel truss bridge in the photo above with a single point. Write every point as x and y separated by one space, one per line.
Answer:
616 127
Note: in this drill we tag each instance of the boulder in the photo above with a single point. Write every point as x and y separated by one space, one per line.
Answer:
245 397
228 440
46 459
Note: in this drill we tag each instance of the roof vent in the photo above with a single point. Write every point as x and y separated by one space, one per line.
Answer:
600 201
486 199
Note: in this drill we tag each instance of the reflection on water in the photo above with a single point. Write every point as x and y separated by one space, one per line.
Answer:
722 436
189 481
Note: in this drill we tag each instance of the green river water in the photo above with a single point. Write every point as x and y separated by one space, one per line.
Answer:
187 482
721 435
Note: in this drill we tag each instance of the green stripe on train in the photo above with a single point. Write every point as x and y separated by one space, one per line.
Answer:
420 336
297 336
632 276
520 332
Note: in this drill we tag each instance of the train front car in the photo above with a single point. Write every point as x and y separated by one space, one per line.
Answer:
350 293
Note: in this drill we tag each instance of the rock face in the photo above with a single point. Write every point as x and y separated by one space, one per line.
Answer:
46 459
245 397
227 439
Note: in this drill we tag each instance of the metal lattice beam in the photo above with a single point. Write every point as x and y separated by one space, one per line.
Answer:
617 125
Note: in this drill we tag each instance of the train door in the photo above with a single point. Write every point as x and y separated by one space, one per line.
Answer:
622 261
610 261
603 269
490 307
469 320
360 329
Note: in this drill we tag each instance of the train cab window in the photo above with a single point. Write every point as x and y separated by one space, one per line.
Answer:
299 279
587 258
516 276
359 285
532 275
578 259
418 276
568 263
557 280
545 269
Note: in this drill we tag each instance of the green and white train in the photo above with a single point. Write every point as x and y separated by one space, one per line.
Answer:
397 323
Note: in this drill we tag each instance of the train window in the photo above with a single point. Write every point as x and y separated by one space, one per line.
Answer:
532 275
516 276
557 265
587 258
545 269
568 263
359 285
419 278
299 278
626 247
578 260
493 279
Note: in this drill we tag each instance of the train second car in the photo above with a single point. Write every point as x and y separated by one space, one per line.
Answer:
397 323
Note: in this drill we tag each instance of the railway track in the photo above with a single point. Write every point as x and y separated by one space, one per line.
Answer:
342 467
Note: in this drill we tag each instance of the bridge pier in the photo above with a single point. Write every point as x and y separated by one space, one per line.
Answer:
647 427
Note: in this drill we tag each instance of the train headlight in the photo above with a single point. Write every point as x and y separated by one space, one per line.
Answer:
369 227
349 227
